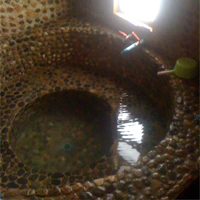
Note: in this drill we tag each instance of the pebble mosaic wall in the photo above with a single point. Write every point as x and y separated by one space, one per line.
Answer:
38 59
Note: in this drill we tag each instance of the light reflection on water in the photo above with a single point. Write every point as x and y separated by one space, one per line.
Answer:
130 130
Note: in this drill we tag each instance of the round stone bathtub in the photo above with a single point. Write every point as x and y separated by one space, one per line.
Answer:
74 68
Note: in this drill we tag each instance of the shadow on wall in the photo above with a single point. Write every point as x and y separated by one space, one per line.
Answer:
175 28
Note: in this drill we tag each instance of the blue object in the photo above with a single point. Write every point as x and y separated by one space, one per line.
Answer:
133 46
67 146
197 117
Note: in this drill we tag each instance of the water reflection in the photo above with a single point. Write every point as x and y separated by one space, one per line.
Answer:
130 132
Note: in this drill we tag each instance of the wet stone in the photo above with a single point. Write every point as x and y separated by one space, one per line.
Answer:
54 191
180 145
99 181
137 182
142 197
77 187
189 163
173 130
128 169
170 150
145 181
173 144
118 194
172 175
164 143
99 191
66 189
151 164
128 178
169 164
162 169
155 175
119 175
156 184
147 191
85 195
181 169
111 179
88 185
28 192
121 185
161 192
173 192
167 186
42 192
190 148
131 189
109 197
179 100
146 171
152 154
110 187
180 152
192 157
145 159
159 159
137 173
178 161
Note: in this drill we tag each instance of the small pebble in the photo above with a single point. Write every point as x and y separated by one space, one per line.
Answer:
137 182
128 169
66 189
137 173
99 181
118 194
41 192
162 169
119 175
99 191
77 187
54 191
88 185
28 192
111 179
156 184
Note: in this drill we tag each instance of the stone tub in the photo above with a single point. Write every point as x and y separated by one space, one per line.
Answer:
73 67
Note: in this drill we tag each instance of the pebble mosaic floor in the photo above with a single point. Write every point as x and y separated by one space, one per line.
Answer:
44 92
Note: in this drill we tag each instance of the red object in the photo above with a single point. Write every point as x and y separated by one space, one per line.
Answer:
124 34
135 35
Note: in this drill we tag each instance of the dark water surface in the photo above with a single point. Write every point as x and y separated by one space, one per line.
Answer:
69 130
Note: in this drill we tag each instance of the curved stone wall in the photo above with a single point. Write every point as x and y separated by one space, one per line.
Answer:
37 60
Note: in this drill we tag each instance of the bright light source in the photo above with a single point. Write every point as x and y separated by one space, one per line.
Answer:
143 10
